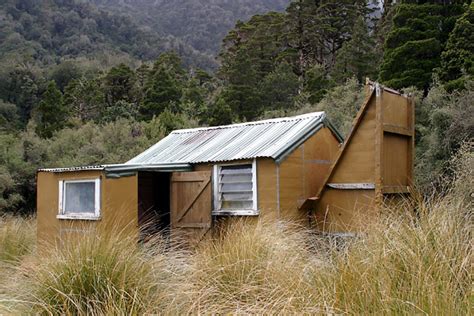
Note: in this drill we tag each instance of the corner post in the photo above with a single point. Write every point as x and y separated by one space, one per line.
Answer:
379 134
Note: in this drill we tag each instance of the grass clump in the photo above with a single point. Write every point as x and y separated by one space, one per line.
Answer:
97 275
256 268
17 238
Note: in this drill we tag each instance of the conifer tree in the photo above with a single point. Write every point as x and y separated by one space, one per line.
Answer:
241 92
414 45
219 113
50 114
119 84
357 57
161 90
457 61
279 88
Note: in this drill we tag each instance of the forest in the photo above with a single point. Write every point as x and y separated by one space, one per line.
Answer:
83 85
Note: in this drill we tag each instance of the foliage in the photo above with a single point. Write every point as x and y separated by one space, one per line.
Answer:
46 31
457 61
200 24
446 121
51 114
357 56
414 45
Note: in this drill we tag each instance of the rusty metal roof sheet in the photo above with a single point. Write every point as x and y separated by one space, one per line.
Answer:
274 138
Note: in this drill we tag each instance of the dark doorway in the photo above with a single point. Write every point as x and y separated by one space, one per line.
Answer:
153 204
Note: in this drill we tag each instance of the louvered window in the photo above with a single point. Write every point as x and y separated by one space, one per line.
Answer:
235 190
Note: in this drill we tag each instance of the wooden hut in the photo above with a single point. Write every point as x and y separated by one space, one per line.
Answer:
192 178
291 168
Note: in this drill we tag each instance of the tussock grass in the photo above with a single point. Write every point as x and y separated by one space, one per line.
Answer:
100 274
17 238
405 263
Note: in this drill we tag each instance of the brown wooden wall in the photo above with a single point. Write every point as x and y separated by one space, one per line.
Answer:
303 172
283 188
375 163
118 206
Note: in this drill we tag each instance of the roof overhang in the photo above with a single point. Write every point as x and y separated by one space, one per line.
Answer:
124 170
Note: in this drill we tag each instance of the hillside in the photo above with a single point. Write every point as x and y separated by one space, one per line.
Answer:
48 31
202 24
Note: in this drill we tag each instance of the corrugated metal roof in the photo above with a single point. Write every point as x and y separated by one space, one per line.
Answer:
273 138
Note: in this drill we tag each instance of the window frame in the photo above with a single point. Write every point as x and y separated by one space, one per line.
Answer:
254 211
82 216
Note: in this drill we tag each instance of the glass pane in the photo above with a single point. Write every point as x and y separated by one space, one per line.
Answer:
236 205
236 196
236 187
237 169
80 197
232 178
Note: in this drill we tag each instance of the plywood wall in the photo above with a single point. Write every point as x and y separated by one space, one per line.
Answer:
303 172
118 206
374 165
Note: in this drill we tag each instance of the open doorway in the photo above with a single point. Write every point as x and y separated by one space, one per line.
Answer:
153 204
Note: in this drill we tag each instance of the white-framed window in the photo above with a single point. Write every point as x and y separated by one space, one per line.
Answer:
235 189
79 199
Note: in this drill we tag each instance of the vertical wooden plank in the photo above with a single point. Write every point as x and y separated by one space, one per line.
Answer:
378 144
411 151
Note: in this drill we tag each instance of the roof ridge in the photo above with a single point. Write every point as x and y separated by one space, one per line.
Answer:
309 115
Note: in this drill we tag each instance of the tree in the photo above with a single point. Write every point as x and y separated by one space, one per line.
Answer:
118 85
357 57
317 83
241 91
414 45
279 88
85 99
50 115
63 73
9 120
219 113
319 28
457 61
162 90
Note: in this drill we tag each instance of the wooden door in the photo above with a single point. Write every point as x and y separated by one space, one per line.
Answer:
191 204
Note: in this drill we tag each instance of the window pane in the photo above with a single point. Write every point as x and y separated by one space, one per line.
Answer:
232 178
236 187
237 196
80 197
235 205
238 169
